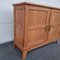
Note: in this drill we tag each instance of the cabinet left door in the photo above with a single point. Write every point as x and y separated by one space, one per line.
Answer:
38 20
19 25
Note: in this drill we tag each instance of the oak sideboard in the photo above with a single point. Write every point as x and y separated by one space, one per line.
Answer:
35 26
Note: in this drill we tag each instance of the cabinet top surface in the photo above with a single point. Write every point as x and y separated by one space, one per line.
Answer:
33 4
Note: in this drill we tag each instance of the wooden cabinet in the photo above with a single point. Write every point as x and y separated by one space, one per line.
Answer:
35 26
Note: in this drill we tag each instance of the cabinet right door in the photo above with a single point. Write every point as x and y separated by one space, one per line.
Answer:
59 32
54 25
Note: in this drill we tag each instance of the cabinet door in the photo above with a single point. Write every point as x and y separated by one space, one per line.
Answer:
54 25
59 32
38 18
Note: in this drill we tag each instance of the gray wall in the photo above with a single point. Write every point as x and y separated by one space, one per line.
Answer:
52 3
6 20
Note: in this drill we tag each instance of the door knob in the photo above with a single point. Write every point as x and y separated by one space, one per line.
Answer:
47 28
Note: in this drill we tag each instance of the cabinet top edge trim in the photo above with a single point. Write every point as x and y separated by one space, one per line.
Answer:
33 4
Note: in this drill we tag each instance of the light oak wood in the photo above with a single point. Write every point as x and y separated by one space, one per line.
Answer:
35 26
54 25
24 54
38 20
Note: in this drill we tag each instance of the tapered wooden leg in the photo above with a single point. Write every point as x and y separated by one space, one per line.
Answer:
55 41
24 55
58 42
15 45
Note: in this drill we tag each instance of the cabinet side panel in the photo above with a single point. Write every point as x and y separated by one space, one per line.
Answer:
19 26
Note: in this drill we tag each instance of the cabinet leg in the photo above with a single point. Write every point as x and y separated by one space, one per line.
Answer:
15 45
55 41
24 54
58 42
